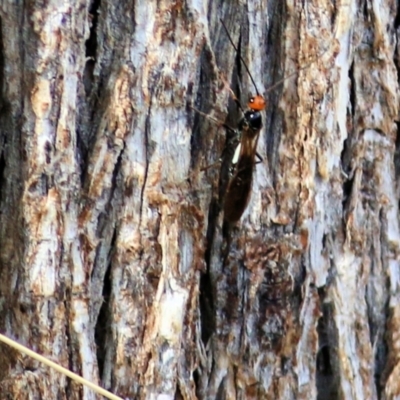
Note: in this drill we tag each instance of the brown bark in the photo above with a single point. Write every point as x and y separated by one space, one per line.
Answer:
114 260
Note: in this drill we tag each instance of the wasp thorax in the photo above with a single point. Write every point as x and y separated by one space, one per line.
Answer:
257 103
252 119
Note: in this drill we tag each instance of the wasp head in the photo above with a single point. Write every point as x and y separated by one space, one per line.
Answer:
257 103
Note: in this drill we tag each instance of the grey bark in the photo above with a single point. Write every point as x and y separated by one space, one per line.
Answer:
113 257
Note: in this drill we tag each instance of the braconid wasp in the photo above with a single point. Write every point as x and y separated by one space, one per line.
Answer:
241 155
240 178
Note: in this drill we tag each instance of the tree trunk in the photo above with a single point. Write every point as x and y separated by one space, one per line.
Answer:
114 258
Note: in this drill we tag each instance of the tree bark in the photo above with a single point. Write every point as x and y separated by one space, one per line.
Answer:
114 258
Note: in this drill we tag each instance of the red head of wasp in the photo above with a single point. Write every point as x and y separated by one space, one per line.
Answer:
240 174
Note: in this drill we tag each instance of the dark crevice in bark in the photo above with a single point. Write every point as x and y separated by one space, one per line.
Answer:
196 142
104 217
91 48
397 17
103 321
274 59
334 12
91 113
178 393
347 189
379 347
347 185
205 98
91 42
206 299
207 289
352 89
286 365
82 156
377 305
396 54
324 371
197 382
299 280
206 307
327 368
385 346
2 63
364 8
147 131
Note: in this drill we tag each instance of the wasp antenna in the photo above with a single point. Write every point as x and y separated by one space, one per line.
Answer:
240 56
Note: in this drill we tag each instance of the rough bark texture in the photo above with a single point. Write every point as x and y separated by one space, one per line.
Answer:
114 260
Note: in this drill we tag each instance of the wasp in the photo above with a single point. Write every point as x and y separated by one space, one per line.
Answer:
242 163
240 153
